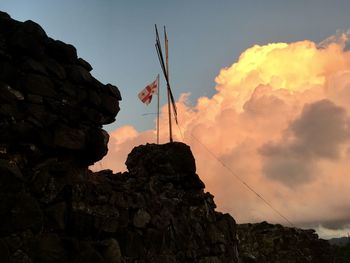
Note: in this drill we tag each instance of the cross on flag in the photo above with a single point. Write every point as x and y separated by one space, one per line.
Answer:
146 94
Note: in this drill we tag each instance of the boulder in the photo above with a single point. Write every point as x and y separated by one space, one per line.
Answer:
62 52
69 138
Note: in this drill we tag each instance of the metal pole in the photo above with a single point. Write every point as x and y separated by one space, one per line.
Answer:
168 88
158 94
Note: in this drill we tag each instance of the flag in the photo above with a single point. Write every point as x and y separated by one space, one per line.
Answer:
146 94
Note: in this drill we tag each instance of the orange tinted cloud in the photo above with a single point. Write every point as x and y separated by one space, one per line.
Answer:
280 120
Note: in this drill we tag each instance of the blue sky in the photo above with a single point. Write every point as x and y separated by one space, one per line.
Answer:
117 38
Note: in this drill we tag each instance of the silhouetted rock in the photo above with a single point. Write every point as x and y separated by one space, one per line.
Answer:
342 249
267 243
153 212
46 96
62 52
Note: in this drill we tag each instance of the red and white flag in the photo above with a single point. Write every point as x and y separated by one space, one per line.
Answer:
146 94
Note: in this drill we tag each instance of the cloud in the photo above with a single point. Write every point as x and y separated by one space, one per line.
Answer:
318 133
341 38
279 120
321 129
326 233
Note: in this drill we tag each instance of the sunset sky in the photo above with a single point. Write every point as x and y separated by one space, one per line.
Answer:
264 85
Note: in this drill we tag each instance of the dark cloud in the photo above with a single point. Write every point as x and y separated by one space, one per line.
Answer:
322 128
318 133
289 170
330 224
343 223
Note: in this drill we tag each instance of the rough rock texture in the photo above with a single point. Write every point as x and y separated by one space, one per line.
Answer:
49 101
160 211
267 243
52 208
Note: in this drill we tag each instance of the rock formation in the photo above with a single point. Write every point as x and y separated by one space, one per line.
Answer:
54 209
50 103
341 247
267 243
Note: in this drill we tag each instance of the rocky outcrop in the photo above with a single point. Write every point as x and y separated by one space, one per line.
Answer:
52 208
156 212
160 211
267 243
50 104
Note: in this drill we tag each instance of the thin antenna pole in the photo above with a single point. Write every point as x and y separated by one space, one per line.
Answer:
158 94
170 94
162 64
166 53
168 90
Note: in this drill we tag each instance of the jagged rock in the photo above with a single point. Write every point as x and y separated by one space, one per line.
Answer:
28 39
109 104
4 15
84 64
167 159
62 52
113 90
96 145
79 74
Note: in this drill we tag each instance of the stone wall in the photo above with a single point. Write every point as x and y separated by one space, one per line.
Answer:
268 243
52 208
50 103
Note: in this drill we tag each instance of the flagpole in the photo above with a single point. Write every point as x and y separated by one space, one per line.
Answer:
165 72
158 94
168 88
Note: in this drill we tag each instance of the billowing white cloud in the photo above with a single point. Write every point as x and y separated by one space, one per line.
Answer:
280 121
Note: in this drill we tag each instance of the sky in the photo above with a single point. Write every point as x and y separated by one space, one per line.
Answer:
264 85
